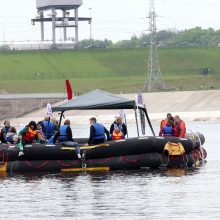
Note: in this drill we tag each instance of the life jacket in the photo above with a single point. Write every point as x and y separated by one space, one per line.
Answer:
99 131
173 149
162 123
180 129
48 128
30 135
10 139
167 130
63 134
117 136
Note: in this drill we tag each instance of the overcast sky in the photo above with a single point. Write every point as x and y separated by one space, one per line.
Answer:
112 19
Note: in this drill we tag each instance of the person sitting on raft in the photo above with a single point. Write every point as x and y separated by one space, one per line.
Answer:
163 122
4 131
97 132
29 134
64 135
167 129
117 135
118 123
179 127
48 127
11 136
41 134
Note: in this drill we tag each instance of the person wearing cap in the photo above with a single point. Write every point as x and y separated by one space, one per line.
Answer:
98 133
120 125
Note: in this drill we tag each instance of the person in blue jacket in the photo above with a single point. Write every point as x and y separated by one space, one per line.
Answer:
64 136
97 132
168 129
48 127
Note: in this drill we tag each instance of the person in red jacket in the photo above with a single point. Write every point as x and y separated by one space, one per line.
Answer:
179 127
164 121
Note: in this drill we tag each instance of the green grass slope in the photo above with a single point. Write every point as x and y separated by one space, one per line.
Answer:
114 70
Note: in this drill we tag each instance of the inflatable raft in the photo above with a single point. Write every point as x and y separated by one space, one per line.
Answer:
132 153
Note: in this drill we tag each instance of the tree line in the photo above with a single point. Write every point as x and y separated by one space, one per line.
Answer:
195 37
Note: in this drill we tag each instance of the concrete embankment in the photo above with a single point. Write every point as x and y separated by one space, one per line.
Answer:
16 105
190 105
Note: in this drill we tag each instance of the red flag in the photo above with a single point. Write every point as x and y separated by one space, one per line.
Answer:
69 90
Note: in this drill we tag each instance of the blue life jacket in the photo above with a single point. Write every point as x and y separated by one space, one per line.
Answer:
63 134
99 131
167 130
10 139
48 128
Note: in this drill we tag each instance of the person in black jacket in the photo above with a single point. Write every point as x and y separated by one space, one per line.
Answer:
4 131
97 133
118 123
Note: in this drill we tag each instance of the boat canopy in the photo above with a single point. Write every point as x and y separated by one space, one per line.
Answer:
97 99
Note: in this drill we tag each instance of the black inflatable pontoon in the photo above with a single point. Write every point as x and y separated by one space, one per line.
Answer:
131 153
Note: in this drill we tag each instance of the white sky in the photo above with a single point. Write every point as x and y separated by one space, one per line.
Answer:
112 19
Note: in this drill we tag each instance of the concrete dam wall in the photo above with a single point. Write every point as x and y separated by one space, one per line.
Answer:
12 106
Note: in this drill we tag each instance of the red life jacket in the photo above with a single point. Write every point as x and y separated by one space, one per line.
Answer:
180 129
116 136
29 135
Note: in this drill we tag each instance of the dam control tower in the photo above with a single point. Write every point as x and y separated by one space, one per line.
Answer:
62 14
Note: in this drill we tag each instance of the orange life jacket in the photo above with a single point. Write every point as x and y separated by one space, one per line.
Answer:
29 135
117 136
162 123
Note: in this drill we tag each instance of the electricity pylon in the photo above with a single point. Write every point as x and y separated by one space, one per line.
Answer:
154 76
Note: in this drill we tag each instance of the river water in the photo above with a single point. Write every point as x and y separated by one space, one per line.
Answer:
144 194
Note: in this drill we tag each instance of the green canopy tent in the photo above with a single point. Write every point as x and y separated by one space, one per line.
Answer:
100 100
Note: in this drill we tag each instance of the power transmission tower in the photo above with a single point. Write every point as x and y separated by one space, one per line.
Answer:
154 77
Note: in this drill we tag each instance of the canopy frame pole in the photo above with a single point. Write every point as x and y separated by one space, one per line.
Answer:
135 111
61 116
148 120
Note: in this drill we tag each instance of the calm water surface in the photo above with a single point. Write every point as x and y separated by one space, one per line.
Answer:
145 194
